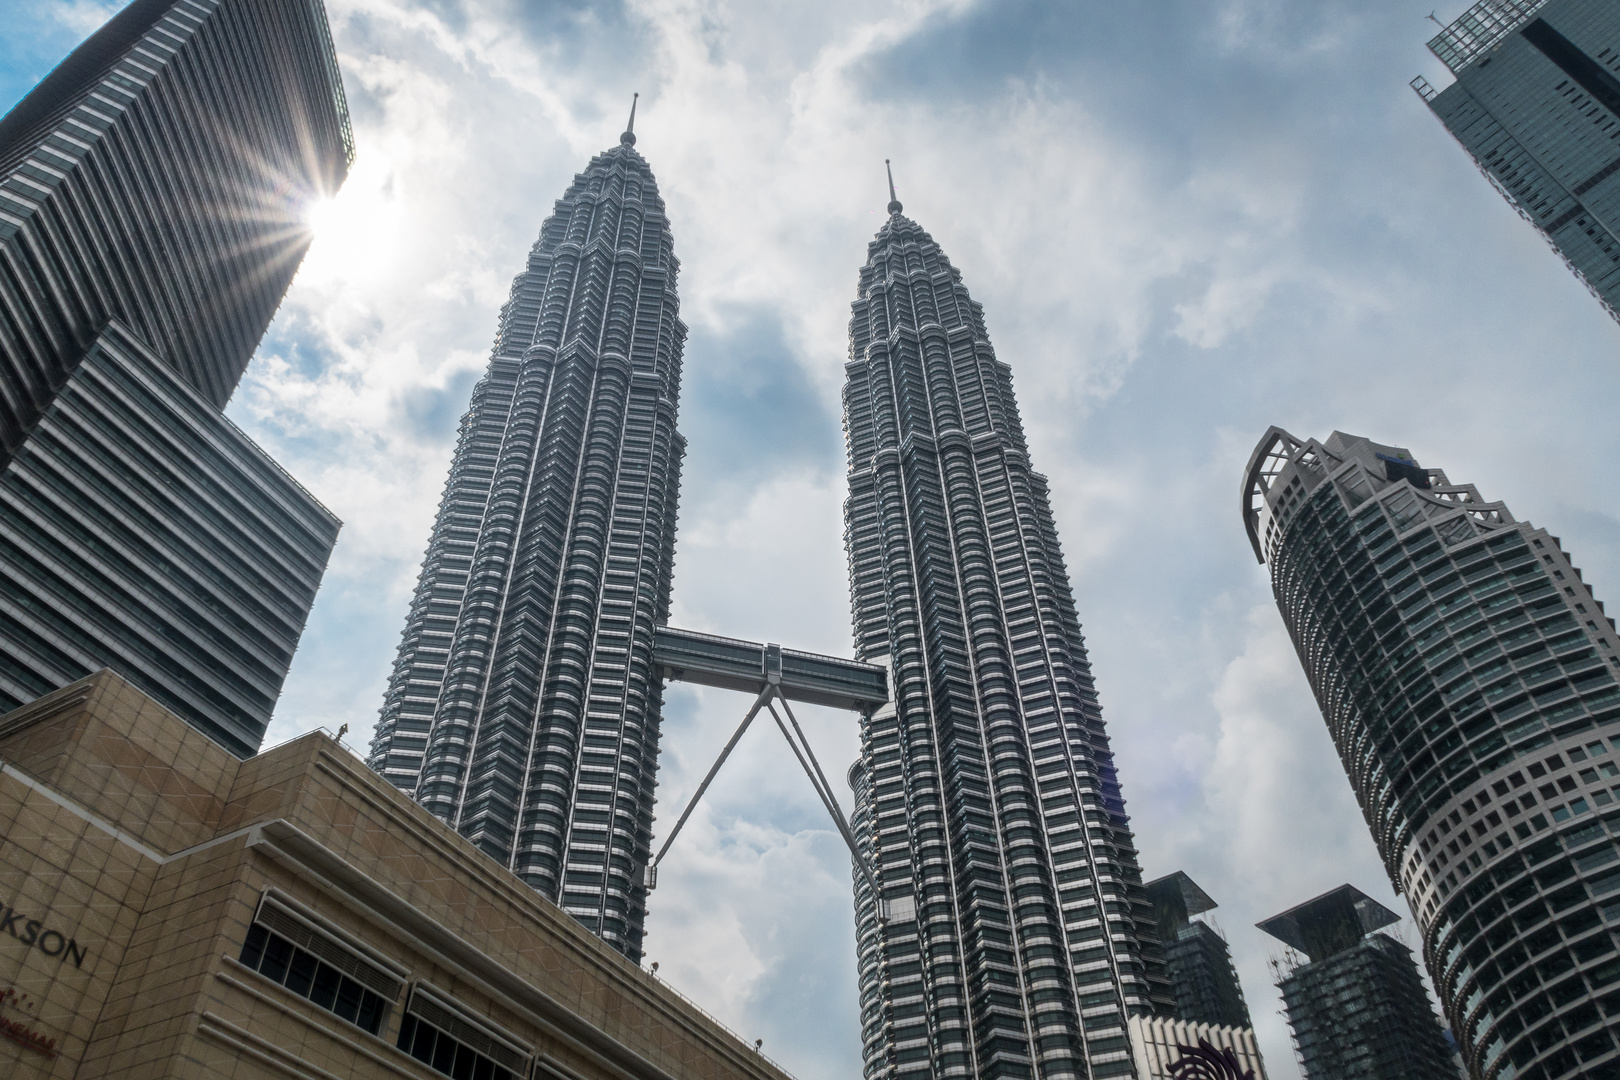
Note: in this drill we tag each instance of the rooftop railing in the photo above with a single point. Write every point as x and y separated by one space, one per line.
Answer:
1480 29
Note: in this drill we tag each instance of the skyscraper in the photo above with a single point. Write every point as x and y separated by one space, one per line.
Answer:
524 706
1467 677
152 193
159 176
1017 937
1356 1004
1196 956
1536 102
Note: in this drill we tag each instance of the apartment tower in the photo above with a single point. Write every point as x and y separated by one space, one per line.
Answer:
1196 955
1012 936
524 705
1467 678
153 197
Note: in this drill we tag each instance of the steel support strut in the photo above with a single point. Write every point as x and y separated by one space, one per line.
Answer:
807 761
753 711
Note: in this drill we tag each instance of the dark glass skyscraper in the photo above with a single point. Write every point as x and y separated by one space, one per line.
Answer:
1197 958
1536 102
152 197
1355 1002
524 705
1467 677
1018 938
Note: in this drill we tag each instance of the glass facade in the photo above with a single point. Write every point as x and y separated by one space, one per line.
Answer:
1467 677
1536 102
437 1031
524 706
1012 937
1196 955
304 974
1363 1014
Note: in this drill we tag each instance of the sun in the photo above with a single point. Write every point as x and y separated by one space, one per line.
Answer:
357 232
318 213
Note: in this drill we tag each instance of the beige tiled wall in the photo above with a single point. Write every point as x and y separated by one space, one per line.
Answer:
162 880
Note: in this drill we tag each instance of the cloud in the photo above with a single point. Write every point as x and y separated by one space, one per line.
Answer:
81 17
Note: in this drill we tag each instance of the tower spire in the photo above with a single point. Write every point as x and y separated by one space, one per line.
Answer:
894 200
629 136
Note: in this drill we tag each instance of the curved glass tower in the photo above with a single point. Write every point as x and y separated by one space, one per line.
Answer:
524 705
1017 937
1467 677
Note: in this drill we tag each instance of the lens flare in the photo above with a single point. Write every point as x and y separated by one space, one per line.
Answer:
317 214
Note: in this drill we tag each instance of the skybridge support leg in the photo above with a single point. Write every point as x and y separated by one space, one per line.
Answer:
800 746
818 780
651 870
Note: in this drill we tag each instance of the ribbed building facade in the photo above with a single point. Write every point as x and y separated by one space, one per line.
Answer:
160 176
524 705
1536 103
1017 938
141 531
1467 678
153 191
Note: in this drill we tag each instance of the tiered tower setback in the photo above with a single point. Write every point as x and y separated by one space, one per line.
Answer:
525 702
1018 938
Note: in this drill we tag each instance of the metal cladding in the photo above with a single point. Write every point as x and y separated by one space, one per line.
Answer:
141 531
160 176
1467 677
986 795
152 192
525 702
1536 104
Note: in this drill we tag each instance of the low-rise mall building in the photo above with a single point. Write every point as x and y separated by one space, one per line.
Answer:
167 910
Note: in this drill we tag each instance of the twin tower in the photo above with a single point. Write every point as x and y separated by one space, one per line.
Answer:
1002 925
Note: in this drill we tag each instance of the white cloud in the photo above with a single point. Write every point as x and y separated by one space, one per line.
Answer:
81 16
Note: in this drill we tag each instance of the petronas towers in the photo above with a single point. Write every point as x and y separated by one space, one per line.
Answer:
1011 934
986 791
524 705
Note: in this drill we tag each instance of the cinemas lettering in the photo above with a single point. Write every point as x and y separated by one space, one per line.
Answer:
32 932
21 1032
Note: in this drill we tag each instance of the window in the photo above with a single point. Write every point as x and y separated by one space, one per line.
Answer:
447 1040
293 953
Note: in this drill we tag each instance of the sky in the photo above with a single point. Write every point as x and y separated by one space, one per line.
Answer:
1186 221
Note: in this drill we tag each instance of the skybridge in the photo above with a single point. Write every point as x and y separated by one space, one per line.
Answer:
775 676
